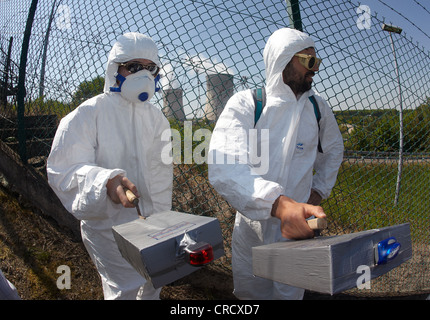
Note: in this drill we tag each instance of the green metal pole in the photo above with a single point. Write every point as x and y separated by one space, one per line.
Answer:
21 83
294 14
45 50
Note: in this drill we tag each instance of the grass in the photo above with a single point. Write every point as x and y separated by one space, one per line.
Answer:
31 250
363 197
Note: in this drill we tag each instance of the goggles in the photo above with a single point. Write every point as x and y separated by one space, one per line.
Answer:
308 61
133 67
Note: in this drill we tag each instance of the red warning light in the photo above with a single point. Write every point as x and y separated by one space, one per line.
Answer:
199 254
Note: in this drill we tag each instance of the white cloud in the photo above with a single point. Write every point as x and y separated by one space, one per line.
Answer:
201 64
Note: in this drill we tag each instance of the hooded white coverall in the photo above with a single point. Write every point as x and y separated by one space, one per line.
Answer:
105 136
291 158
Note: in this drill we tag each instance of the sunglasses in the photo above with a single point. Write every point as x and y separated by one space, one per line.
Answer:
308 61
134 67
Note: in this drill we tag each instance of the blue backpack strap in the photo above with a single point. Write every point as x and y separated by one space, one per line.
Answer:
318 116
259 96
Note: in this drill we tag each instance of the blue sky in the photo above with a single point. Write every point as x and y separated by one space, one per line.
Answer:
215 40
409 9
358 68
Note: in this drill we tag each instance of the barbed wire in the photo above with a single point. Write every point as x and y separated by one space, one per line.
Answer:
359 79
404 17
422 6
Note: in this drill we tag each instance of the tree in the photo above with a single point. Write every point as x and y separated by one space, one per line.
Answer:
379 132
88 89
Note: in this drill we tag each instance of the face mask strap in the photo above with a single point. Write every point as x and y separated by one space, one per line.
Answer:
157 79
121 80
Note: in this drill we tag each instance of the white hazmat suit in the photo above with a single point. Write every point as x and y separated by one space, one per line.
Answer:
104 137
289 151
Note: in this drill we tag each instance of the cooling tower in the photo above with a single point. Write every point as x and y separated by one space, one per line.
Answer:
219 90
173 105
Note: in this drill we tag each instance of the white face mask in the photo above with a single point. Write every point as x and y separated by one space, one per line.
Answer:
137 87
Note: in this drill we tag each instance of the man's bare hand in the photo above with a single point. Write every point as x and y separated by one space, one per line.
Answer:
293 217
115 190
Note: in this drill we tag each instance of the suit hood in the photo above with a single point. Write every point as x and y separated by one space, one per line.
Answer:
280 48
129 46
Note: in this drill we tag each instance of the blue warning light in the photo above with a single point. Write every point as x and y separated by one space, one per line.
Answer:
386 250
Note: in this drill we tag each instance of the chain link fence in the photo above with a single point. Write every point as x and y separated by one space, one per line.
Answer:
377 84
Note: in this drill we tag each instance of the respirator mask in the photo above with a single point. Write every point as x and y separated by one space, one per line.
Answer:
138 87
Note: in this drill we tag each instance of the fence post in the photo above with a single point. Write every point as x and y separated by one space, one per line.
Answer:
391 29
45 49
21 82
4 93
294 14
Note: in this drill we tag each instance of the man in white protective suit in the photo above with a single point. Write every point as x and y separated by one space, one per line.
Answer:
271 183
111 142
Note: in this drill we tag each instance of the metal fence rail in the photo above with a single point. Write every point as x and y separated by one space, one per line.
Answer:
212 49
